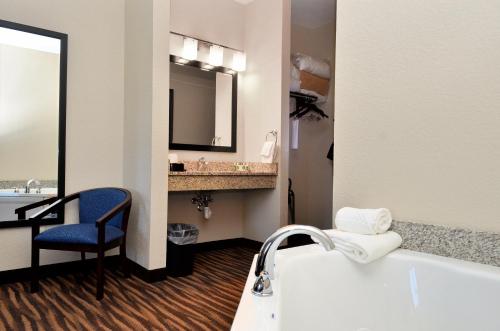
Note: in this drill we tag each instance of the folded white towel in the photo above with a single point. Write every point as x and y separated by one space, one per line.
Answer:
295 85
294 73
267 152
364 248
314 66
321 98
363 221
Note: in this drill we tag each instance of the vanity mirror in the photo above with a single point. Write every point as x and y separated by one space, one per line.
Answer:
32 119
203 102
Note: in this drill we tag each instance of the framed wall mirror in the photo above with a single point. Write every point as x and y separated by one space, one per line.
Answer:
33 64
203 107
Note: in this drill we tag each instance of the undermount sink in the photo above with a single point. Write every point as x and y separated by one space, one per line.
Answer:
222 176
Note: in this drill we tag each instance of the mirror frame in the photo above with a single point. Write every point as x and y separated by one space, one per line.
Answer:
61 157
234 112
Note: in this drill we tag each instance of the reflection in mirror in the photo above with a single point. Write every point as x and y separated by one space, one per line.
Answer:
202 108
31 93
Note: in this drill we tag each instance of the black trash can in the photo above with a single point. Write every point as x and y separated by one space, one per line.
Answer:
180 249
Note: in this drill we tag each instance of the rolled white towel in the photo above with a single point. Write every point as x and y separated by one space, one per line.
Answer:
364 248
363 221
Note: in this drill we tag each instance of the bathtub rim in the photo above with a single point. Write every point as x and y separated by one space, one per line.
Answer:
249 304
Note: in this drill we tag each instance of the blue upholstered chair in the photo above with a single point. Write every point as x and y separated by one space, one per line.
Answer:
103 216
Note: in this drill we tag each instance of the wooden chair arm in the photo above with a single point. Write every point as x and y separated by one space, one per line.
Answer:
21 211
54 206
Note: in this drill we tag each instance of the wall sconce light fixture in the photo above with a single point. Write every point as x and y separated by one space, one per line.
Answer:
215 55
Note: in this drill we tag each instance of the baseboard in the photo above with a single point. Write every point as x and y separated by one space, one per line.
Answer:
53 270
149 276
227 243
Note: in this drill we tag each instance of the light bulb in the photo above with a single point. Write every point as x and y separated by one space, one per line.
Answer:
239 61
216 55
190 50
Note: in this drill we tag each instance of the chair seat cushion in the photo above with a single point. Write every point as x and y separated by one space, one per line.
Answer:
85 234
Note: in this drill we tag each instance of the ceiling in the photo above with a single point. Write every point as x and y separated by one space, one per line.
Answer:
309 13
243 2
313 13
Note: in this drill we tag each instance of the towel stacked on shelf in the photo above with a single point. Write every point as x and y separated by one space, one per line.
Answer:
319 68
362 234
310 76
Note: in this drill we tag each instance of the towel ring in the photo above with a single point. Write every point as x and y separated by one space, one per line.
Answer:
273 133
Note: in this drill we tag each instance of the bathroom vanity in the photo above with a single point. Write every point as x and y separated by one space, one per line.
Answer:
223 176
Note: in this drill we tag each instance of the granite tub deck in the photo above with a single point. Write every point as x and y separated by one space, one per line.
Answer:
215 176
8 184
463 244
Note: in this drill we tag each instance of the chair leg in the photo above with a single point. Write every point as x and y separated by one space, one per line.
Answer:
100 274
123 260
85 270
35 268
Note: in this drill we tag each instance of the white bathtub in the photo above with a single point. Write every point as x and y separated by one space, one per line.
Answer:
10 200
404 291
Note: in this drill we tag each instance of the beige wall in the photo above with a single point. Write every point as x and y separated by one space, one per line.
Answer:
94 152
261 29
219 21
310 170
146 128
417 110
29 113
198 18
266 107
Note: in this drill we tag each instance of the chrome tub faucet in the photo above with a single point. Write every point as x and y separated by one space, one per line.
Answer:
264 268
37 185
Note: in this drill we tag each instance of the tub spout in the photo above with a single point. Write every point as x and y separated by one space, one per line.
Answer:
264 268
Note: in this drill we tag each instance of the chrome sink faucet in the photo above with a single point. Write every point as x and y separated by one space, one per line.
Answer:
37 185
264 268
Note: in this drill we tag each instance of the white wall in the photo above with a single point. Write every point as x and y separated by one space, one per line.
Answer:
417 110
266 107
94 152
146 128
310 170
29 113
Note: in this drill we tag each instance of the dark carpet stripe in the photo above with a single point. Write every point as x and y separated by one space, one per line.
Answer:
206 300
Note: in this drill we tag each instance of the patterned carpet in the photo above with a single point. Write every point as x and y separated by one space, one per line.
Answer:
206 300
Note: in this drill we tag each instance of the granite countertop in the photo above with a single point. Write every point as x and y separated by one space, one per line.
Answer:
217 175
221 173
216 168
